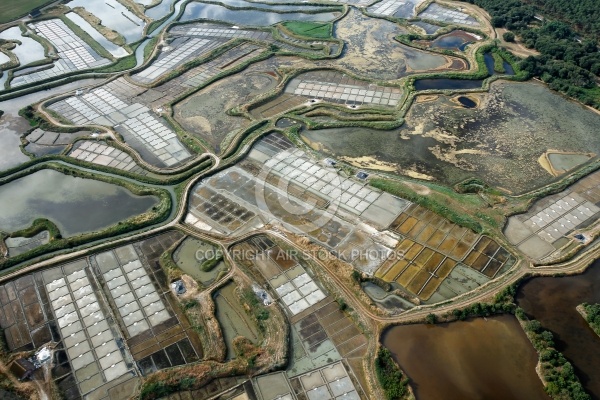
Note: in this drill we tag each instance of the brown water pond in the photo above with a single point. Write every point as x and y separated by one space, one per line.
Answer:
552 301
489 359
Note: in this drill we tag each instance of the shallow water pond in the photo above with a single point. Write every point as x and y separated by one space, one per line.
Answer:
4 58
455 40
160 10
489 359
566 162
112 48
466 102
233 318
388 301
392 150
28 51
248 17
190 255
114 16
75 205
252 4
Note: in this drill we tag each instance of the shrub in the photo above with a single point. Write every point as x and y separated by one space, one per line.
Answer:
210 263
357 276
593 316
508 36
431 319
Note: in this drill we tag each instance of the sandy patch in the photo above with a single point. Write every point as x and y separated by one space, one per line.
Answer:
426 98
370 162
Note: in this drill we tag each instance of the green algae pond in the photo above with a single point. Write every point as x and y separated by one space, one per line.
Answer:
190 255
75 205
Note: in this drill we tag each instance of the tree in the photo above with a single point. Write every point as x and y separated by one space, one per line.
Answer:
431 319
508 36
533 326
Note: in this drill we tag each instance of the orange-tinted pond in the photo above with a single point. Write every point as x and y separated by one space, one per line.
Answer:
467 360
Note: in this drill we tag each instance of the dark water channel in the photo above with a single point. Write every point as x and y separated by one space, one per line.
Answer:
552 301
448 84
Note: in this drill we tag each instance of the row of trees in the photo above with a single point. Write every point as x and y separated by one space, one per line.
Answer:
565 63
593 316
393 382
562 382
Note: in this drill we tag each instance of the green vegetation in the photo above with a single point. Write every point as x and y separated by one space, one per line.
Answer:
441 208
171 269
472 185
150 47
197 375
210 263
39 225
483 310
498 63
315 30
565 64
583 15
431 319
98 48
592 316
255 308
123 64
559 374
391 379
191 303
36 120
508 36
13 9
503 303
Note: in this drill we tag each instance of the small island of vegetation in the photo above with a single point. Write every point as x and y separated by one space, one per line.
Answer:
591 313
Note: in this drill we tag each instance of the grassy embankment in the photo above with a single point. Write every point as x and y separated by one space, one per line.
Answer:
14 9
314 30
458 208
39 225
